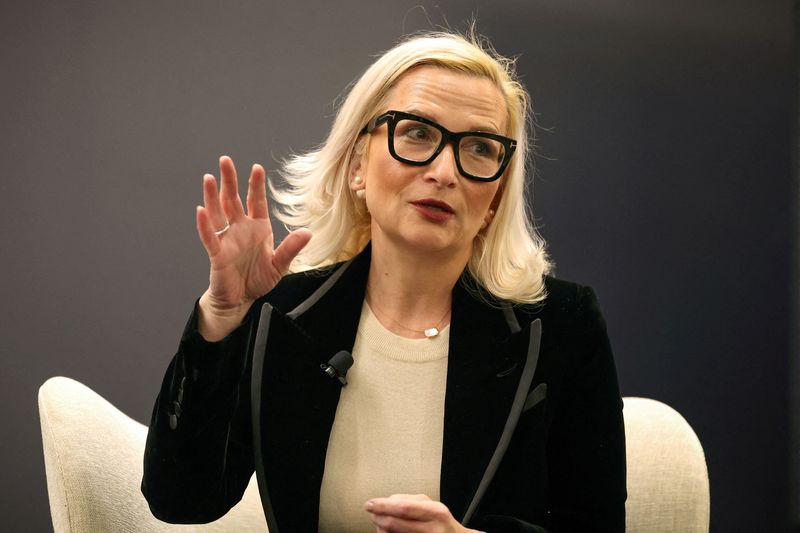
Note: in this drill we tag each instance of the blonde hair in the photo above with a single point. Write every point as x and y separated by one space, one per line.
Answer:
508 259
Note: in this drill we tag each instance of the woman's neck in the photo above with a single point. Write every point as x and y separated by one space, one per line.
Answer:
411 292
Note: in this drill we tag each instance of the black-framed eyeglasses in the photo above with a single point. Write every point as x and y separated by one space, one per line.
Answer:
415 140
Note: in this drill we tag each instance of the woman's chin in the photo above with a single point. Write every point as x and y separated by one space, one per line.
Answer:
429 242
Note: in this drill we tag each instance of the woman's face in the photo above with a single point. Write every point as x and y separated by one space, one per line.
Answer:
432 208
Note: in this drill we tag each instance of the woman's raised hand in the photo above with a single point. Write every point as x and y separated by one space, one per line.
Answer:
244 263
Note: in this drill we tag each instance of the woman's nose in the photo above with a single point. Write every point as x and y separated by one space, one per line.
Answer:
443 169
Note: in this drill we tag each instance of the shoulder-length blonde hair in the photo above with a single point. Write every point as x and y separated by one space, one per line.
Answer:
508 258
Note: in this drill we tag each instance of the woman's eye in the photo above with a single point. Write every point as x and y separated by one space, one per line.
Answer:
482 148
418 132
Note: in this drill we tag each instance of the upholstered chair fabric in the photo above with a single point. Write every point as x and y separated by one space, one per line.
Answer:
667 476
93 458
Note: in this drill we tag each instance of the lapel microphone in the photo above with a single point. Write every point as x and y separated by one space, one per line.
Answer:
338 366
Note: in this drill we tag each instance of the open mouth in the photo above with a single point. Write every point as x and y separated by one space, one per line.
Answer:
434 205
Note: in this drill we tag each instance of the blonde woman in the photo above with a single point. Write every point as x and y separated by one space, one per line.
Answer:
417 369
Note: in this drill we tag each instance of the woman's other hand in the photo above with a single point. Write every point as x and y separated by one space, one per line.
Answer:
407 513
240 246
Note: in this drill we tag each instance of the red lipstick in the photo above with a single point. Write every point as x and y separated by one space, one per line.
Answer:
433 209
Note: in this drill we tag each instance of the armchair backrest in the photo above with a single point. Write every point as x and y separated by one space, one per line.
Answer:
93 458
667 476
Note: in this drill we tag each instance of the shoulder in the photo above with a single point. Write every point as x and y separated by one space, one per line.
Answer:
296 287
568 306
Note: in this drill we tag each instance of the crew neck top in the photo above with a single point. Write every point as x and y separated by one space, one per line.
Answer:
387 435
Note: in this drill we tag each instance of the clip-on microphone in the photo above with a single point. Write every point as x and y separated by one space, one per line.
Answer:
338 366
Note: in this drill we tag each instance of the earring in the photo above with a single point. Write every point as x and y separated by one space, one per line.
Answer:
358 180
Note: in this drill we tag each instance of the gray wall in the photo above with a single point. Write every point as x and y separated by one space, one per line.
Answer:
664 181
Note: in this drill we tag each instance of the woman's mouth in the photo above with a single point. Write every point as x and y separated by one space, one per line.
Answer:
434 210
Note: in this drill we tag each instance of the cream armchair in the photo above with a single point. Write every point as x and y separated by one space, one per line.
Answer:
667 475
93 459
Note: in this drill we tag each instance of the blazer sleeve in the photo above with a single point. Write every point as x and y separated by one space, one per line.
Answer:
199 453
586 450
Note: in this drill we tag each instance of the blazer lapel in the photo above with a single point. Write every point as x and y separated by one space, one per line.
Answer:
488 357
291 392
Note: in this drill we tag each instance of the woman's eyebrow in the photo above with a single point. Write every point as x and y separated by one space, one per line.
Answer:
420 113
486 127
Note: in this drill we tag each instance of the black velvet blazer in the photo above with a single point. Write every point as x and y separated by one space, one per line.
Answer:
533 428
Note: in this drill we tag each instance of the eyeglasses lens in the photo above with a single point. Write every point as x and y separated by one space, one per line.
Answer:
417 141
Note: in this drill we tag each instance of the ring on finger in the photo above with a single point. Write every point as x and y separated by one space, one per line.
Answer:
223 230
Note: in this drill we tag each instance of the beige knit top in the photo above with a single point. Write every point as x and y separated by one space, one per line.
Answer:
387 435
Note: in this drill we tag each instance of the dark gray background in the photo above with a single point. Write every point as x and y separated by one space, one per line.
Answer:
664 181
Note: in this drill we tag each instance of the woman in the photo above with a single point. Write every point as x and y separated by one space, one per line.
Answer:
482 393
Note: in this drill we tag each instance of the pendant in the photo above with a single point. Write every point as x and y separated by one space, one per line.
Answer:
431 332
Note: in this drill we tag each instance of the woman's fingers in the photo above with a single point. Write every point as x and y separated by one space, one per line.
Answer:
257 193
407 509
206 231
212 203
410 513
224 207
289 248
229 191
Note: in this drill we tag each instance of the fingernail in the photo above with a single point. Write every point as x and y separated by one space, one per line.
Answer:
368 506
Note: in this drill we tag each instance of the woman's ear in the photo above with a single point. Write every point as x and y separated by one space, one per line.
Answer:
358 166
356 179
354 176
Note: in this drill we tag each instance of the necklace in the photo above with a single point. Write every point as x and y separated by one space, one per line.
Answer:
430 332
